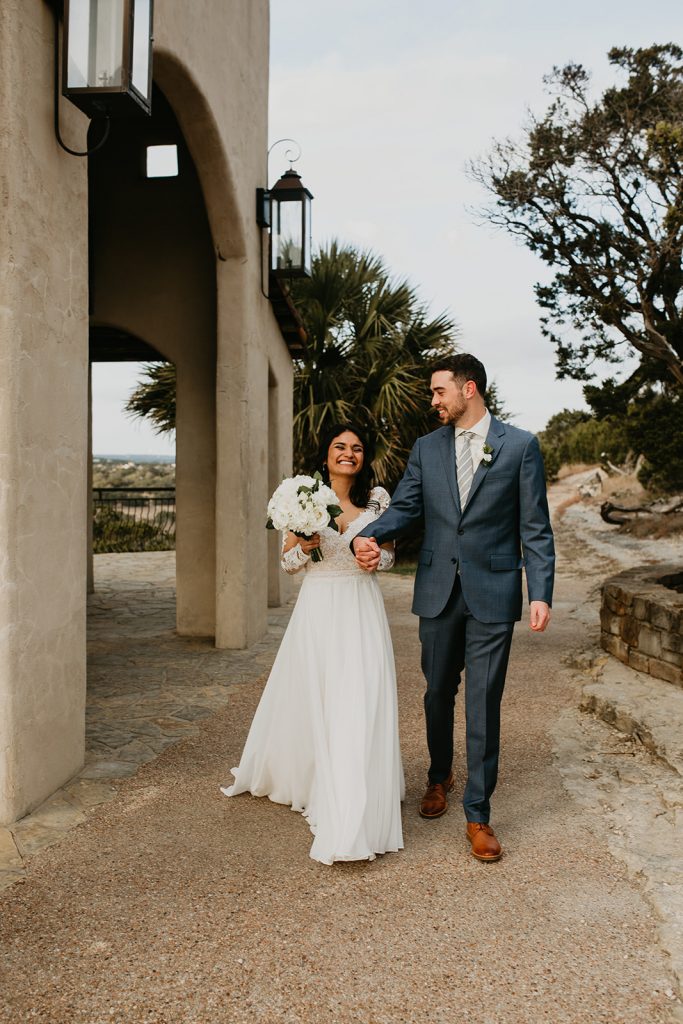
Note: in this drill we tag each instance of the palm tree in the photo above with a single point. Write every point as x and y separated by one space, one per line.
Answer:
370 343
155 397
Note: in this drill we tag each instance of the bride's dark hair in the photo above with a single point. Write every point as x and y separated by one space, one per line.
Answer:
363 482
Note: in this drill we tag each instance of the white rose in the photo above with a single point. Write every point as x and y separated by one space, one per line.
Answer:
327 495
303 481
321 518
279 520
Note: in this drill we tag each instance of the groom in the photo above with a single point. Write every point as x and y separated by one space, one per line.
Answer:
478 485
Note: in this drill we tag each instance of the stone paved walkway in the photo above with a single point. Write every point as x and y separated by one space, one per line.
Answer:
172 904
147 689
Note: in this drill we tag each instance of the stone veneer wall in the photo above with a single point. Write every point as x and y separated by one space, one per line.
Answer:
641 620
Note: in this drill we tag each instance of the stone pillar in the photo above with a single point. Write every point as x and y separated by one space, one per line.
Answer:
43 421
89 553
241 463
279 459
195 491
274 477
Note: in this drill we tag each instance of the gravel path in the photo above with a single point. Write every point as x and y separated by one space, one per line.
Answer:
173 904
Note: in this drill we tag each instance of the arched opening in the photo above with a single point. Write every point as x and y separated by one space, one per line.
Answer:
152 296
132 505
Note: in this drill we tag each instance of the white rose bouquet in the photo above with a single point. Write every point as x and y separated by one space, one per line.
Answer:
304 505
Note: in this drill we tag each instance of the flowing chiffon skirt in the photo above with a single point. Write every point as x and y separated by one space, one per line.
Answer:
324 738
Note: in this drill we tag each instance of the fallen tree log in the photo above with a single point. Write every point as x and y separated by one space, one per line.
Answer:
615 515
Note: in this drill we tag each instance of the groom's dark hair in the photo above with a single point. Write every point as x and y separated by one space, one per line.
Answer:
464 366
364 481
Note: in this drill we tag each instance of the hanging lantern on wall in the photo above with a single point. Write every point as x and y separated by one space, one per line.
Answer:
290 226
107 56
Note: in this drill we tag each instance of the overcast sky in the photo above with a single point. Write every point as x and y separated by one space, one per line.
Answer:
389 99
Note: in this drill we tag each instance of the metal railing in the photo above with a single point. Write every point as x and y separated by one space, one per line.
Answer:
133 519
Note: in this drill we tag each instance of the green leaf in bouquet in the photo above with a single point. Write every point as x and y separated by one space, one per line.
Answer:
333 511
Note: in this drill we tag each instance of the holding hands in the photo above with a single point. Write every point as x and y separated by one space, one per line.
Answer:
367 552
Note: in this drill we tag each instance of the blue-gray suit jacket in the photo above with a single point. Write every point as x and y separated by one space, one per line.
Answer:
504 527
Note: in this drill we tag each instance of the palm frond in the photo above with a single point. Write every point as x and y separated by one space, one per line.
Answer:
372 340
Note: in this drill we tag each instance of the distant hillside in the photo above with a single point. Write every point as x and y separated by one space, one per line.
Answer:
159 459
134 471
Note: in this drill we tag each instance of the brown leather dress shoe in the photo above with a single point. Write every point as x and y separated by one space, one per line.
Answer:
485 846
435 801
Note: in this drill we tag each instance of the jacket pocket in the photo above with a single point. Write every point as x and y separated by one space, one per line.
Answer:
499 563
498 474
425 557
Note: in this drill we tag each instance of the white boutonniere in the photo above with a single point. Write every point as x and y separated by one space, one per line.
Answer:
487 456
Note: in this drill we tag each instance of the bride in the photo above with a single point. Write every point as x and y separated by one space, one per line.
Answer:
324 738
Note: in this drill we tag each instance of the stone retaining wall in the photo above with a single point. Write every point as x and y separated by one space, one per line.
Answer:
641 620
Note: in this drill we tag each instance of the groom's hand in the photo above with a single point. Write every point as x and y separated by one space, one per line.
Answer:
539 616
367 552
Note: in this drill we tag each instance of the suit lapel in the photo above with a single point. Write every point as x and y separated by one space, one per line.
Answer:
494 439
448 456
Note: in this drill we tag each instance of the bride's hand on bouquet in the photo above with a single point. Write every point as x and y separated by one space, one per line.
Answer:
367 552
307 544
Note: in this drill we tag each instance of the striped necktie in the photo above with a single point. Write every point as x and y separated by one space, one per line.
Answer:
464 467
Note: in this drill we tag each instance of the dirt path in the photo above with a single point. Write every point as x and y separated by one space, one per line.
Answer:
173 904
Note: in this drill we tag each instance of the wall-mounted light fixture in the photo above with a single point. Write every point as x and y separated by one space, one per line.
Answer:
284 215
285 210
106 60
107 56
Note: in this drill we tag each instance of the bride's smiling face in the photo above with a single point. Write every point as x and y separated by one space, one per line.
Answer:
345 455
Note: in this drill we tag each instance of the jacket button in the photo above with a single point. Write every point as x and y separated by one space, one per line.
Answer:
454 560
461 532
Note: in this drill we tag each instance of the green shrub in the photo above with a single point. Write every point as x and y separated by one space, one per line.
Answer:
647 421
575 436
551 460
114 531
654 425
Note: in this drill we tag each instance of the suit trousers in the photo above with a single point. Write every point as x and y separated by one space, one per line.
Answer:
451 642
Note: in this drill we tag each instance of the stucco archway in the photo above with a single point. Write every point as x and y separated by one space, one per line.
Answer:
152 274
199 128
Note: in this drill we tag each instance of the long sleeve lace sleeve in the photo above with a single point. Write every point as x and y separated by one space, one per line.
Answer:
387 558
294 559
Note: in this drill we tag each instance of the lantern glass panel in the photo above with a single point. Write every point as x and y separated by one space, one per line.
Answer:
95 44
288 235
306 228
141 49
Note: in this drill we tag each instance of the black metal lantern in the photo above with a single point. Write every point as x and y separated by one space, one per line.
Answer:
290 226
107 56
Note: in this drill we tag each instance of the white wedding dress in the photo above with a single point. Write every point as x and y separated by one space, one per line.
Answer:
324 738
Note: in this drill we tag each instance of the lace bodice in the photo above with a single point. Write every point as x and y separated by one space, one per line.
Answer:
335 547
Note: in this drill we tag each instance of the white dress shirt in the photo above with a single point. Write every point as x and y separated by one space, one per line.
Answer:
480 430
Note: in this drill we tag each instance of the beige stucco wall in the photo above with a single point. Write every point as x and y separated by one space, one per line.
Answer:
225 125
211 61
43 422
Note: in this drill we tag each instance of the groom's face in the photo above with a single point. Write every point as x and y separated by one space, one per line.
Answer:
449 396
